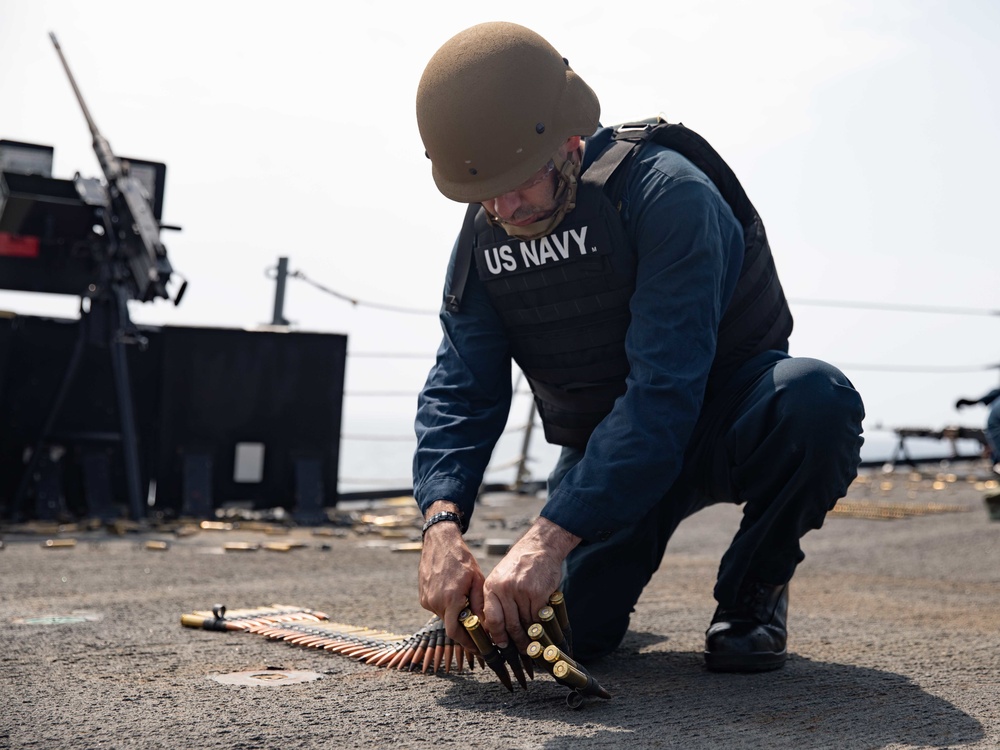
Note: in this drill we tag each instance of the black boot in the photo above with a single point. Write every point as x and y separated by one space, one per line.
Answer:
749 637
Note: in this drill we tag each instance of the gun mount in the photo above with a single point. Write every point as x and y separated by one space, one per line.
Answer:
96 239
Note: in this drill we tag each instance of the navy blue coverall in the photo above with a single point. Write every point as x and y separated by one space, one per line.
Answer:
781 437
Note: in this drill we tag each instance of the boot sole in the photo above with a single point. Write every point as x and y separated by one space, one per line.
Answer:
761 661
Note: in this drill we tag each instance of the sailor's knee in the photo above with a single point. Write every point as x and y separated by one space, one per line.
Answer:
819 395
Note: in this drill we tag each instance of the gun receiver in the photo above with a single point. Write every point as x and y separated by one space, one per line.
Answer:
131 226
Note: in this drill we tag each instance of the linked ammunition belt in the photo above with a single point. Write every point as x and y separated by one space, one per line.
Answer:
427 650
550 649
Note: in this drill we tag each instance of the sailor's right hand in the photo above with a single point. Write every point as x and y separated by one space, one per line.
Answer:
450 577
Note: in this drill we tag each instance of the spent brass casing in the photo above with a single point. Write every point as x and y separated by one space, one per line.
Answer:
578 679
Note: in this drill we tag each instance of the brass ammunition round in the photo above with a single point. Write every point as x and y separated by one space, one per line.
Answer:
449 651
428 658
479 636
535 650
558 604
194 621
400 655
569 674
537 633
464 614
578 679
553 655
548 617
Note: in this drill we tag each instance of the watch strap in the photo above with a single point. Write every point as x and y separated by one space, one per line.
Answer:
445 515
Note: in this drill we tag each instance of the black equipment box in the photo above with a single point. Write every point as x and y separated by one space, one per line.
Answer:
223 416
46 232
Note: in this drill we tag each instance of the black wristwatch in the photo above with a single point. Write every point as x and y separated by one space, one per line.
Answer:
445 515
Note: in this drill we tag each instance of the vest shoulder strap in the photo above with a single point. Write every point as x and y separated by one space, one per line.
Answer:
463 260
693 147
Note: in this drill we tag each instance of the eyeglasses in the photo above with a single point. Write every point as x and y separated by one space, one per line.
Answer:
536 178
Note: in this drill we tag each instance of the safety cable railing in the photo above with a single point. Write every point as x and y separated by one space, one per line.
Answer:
522 457
892 307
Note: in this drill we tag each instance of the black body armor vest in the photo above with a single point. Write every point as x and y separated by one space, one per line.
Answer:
564 298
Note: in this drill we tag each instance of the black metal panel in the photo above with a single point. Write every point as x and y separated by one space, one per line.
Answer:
223 387
34 355
51 210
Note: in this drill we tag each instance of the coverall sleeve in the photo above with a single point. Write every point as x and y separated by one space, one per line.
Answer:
464 404
690 250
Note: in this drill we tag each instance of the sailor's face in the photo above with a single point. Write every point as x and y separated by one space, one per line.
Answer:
531 201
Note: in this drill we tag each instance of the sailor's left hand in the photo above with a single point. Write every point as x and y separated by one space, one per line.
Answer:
523 580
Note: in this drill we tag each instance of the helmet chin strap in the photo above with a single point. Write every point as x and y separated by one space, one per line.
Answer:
567 174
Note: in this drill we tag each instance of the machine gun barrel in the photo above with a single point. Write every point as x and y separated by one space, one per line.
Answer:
135 230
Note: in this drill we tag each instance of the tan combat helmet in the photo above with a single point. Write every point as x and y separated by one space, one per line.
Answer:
494 104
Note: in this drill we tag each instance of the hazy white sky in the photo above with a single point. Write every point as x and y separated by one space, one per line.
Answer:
864 132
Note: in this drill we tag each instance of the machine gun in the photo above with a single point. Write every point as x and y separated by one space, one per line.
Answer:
132 229
101 241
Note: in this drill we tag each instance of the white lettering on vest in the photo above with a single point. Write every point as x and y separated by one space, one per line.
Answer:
529 253
562 247
580 238
508 258
499 259
541 251
491 257
546 253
